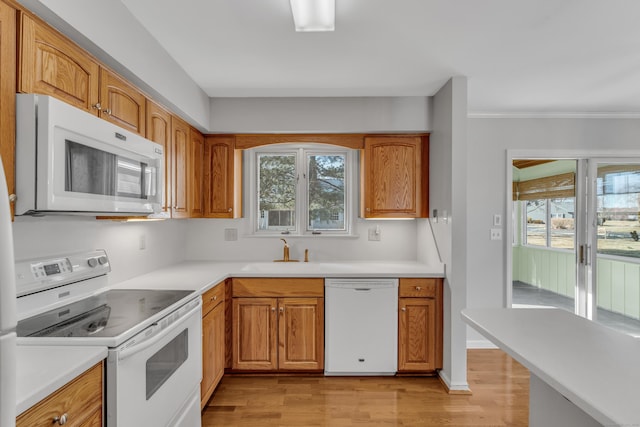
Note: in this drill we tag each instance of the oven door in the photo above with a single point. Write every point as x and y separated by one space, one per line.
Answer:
152 377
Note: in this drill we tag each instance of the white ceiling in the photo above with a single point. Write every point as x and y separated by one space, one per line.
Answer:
547 56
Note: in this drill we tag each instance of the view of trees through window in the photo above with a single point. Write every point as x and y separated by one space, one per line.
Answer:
284 185
326 192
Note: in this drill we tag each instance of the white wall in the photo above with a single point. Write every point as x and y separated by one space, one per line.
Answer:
110 32
398 243
55 235
488 142
372 114
448 183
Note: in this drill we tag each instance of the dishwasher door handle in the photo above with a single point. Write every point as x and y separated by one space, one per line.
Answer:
362 289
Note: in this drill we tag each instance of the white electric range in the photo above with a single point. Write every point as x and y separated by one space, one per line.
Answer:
154 364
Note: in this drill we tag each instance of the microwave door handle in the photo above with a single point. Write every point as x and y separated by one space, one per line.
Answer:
157 336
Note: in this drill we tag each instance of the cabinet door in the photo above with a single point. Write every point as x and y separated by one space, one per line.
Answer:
180 138
394 177
254 333
158 129
222 178
121 103
7 95
213 352
417 334
196 153
301 333
80 400
50 64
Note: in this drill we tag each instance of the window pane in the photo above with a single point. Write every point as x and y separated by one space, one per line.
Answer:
326 195
618 188
276 191
537 222
562 222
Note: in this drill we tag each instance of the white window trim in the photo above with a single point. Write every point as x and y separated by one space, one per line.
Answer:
301 214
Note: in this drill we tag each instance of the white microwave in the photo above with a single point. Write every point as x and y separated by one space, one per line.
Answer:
69 161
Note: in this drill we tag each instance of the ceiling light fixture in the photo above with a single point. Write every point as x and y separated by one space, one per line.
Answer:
314 15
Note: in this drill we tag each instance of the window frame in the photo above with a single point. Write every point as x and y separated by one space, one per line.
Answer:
302 151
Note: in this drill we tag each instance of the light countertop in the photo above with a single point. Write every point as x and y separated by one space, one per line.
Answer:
41 370
203 275
596 368
44 369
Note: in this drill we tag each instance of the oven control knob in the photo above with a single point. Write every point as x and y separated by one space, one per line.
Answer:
102 260
92 262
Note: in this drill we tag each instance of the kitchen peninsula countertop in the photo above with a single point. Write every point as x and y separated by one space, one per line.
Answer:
592 366
41 370
200 276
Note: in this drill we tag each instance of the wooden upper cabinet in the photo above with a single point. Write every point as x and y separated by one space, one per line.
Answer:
395 177
222 177
121 103
50 64
7 96
158 129
180 141
196 154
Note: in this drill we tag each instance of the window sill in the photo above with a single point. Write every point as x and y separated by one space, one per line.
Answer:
298 236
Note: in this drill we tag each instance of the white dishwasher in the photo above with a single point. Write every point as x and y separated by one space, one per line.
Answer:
361 326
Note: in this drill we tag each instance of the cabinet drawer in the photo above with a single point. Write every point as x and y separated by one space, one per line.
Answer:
418 287
212 298
80 400
278 287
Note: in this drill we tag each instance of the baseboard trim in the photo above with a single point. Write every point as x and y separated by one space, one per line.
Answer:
480 344
461 389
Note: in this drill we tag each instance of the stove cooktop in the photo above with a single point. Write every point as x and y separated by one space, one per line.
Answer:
110 314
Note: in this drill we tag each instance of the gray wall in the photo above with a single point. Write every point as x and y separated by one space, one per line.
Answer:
348 114
488 142
447 182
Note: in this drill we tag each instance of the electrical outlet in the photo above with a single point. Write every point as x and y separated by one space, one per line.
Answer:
496 234
230 234
375 234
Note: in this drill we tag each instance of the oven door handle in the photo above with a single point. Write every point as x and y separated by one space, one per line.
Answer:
157 335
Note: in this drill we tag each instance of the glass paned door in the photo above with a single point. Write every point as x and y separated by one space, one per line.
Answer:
614 221
543 248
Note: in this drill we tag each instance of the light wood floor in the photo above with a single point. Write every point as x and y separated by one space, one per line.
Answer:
499 385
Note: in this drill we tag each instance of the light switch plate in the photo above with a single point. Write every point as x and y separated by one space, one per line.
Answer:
497 220
375 234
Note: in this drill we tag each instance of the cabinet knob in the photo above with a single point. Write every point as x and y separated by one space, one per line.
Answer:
273 309
404 309
418 288
107 111
281 309
213 298
368 209
230 209
97 106
61 420
12 198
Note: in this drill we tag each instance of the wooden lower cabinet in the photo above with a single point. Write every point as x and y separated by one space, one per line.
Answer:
79 402
420 325
213 341
283 331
